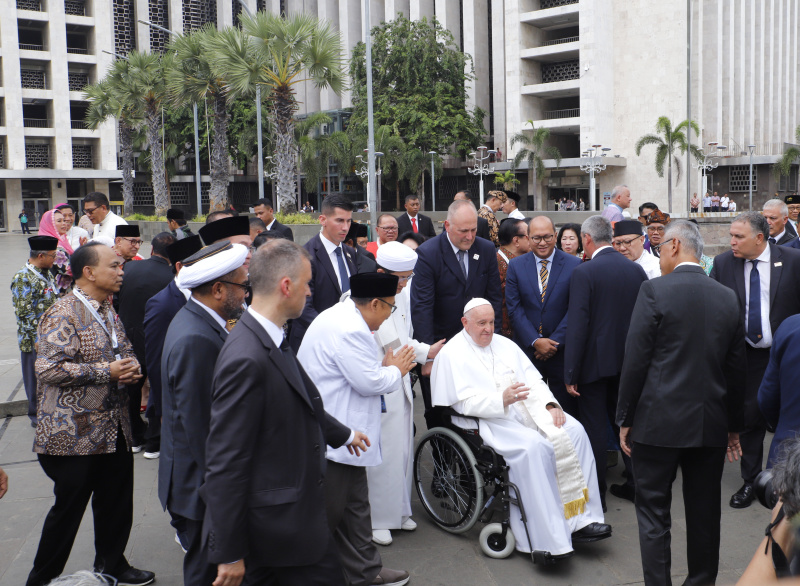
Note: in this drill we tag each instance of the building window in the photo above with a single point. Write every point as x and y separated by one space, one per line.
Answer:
561 71
2 152
37 156
196 13
29 5
793 173
143 194
75 7
179 194
82 156
33 79
553 3
739 178
124 32
159 14
77 80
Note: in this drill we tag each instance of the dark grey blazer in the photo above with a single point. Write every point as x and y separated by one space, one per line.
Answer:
283 229
424 225
682 382
191 348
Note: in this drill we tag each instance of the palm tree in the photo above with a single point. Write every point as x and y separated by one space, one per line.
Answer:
192 79
784 166
279 52
533 148
312 149
106 101
507 179
671 139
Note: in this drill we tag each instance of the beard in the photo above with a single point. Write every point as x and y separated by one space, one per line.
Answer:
232 306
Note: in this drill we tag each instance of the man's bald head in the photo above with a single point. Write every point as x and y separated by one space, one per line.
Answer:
461 224
461 196
542 222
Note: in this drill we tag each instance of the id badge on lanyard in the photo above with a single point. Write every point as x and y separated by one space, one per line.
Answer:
112 334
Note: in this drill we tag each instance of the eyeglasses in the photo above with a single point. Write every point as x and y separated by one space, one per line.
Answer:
388 228
394 307
659 229
404 279
89 211
523 235
625 243
658 246
245 285
133 241
538 239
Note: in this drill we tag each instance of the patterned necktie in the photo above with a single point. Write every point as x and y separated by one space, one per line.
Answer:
543 280
344 279
414 224
754 331
461 254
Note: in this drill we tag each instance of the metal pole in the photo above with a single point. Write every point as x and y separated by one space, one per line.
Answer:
433 187
688 100
750 181
592 206
373 202
197 162
261 152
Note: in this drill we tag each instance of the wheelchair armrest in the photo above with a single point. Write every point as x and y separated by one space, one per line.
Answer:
449 412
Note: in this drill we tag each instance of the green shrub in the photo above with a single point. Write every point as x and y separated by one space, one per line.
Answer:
297 218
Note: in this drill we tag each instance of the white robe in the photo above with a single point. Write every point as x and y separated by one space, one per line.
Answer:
461 380
650 264
390 482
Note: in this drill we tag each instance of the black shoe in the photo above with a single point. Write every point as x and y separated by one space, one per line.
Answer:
743 497
592 532
623 491
135 577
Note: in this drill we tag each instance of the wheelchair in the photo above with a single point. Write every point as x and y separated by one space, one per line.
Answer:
460 480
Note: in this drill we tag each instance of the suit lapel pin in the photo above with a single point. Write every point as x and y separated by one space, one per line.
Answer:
778 264
476 256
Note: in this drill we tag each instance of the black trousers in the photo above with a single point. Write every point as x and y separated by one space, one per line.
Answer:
654 469
326 572
138 426
108 480
433 415
755 426
196 569
597 406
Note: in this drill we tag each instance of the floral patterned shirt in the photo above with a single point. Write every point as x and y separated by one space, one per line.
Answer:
494 225
80 409
32 292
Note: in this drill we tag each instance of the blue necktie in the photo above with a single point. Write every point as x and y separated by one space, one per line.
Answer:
344 279
461 254
754 307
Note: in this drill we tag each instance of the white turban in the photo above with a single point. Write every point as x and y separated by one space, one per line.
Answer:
473 303
396 257
107 240
212 267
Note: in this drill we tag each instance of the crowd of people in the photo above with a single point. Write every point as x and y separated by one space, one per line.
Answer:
281 377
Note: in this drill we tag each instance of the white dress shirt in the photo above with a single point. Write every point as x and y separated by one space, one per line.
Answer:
330 248
222 323
539 268
516 214
108 226
764 270
599 249
650 264
74 236
779 236
270 224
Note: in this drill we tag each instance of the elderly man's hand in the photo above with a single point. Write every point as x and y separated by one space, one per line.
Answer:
229 574
559 418
516 392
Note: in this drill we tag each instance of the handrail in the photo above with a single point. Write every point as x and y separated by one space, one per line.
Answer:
556 114
561 41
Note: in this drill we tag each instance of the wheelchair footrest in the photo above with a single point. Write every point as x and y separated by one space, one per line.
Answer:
545 558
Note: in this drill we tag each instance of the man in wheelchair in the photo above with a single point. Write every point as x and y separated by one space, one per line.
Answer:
548 453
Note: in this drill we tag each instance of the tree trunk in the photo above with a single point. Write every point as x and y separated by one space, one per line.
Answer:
126 150
160 196
669 184
220 174
535 182
283 109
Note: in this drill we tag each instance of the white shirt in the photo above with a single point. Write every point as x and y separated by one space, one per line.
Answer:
725 201
108 226
650 264
270 224
456 250
599 249
688 263
779 236
330 248
549 260
764 270
732 206
74 236
516 214
222 323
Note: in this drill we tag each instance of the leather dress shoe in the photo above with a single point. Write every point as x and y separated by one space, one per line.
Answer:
743 497
388 577
592 532
623 491
135 577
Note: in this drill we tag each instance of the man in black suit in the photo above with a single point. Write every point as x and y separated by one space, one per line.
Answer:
453 268
602 293
158 313
777 215
142 280
365 260
537 296
264 212
681 405
413 221
217 279
332 264
483 230
754 263
265 455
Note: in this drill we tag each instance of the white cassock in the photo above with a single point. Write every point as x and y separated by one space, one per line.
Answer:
650 264
471 379
390 482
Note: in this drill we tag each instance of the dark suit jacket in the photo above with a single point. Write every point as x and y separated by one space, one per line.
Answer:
682 383
602 293
325 287
264 484
424 224
790 229
158 314
142 280
439 291
191 348
365 261
787 236
483 229
283 229
778 397
784 289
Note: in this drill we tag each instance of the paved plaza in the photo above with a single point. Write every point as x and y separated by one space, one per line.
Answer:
432 556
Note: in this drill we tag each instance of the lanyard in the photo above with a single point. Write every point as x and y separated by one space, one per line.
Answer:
112 334
49 282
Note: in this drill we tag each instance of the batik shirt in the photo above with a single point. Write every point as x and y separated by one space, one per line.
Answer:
494 225
32 292
80 409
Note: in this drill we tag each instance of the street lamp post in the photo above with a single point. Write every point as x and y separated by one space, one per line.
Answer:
378 173
196 131
373 207
433 181
708 163
594 164
751 148
271 175
481 167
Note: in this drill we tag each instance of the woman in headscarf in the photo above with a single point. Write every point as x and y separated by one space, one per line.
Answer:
54 224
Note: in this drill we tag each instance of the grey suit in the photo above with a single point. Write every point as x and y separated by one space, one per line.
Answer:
193 342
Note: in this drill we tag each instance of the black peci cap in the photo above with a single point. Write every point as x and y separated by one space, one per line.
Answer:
225 228
371 285
183 249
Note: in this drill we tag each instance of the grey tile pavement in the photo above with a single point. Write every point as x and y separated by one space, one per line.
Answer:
432 556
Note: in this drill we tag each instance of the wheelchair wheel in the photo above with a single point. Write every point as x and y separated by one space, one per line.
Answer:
447 479
494 544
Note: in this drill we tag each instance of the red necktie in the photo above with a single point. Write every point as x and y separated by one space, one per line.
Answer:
414 224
